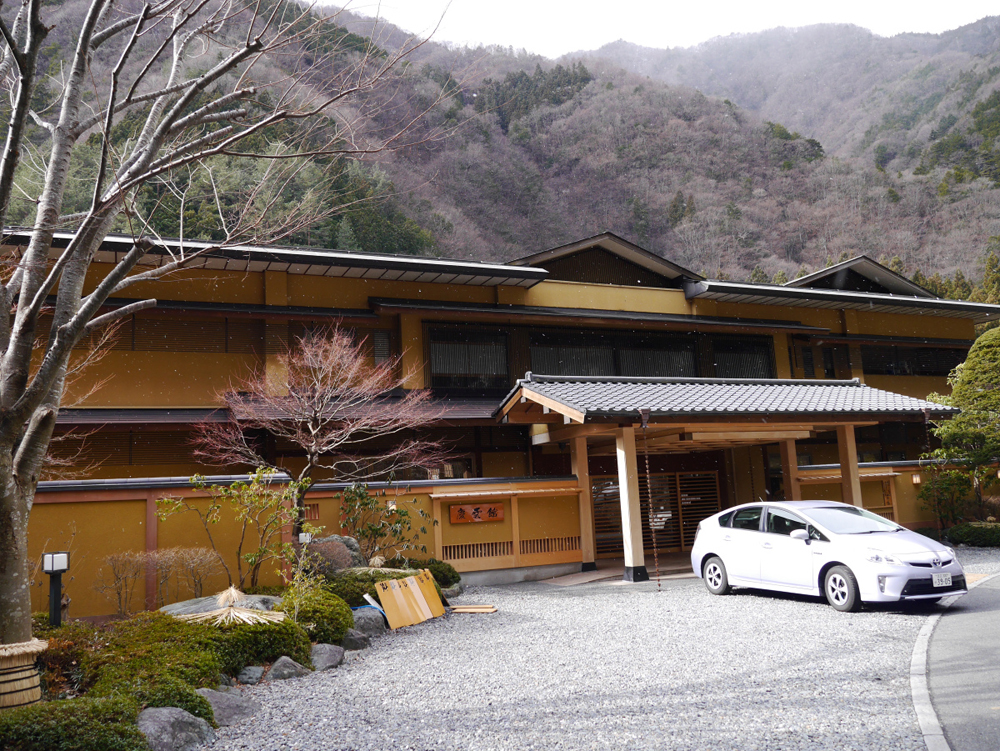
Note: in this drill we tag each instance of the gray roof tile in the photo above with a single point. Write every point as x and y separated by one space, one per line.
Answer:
606 397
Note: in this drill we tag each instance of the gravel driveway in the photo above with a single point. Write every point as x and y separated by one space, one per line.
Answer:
605 665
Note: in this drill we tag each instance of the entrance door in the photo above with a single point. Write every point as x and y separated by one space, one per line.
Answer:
672 504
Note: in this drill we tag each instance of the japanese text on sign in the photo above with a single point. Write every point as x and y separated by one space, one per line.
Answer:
479 512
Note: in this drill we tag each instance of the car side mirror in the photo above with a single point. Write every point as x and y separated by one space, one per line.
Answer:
799 534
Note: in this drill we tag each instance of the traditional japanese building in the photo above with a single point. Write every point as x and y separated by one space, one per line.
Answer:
597 395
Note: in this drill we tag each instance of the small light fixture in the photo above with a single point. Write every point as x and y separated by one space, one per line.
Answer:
55 565
917 479
305 538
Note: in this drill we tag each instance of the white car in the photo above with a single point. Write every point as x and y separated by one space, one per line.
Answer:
823 548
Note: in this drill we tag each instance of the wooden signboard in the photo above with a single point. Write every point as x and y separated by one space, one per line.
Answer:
409 601
475 512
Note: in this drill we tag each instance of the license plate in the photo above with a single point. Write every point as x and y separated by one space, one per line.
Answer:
941 580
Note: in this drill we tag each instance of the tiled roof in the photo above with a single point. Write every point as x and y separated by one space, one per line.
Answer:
608 397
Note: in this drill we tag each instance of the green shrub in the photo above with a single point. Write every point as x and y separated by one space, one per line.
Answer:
353 584
244 644
61 664
444 573
138 653
83 724
977 534
323 615
170 692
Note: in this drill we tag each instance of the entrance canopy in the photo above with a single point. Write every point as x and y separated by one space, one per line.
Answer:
682 415
692 414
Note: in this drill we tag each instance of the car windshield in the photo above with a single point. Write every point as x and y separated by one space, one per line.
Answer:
846 520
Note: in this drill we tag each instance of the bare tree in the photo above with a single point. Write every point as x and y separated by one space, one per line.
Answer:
350 416
162 88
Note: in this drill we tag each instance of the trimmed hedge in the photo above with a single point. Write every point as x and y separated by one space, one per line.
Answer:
245 644
976 534
84 724
324 616
444 573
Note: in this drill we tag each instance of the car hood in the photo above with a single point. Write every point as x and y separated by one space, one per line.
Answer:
904 543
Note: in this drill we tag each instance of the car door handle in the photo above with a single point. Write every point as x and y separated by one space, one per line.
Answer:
727 538
766 545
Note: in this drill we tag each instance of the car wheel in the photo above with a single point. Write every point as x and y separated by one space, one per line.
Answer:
841 589
716 578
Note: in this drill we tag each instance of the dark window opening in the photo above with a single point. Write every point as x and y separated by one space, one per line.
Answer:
743 356
469 360
925 361
612 353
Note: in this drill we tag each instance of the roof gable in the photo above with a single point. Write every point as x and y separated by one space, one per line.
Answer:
861 274
608 259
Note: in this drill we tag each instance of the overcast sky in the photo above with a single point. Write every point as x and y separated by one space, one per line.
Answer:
555 27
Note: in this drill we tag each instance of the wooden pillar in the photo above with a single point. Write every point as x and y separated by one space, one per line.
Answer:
850 480
581 468
152 579
790 471
628 489
515 530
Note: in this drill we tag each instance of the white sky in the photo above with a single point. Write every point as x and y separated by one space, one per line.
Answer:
555 27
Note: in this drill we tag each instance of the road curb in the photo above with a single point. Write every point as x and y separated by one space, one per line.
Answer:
930 725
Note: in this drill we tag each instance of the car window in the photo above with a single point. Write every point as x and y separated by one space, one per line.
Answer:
747 518
781 522
724 519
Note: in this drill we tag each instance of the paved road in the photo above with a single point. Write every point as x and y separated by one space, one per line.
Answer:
964 670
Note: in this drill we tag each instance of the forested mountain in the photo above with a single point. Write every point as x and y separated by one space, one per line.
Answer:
714 167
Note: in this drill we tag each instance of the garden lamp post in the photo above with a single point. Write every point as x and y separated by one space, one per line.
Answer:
55 565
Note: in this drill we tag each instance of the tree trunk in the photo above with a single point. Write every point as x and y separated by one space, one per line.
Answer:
15 573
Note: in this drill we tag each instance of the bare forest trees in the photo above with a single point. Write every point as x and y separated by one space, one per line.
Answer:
348 415
156 91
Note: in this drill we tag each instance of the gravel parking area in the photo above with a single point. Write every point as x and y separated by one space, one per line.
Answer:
605 665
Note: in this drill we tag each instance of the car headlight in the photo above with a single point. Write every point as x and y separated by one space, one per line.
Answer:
880 556
951 552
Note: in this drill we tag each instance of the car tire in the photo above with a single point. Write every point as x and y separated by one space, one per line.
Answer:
716 578
841 589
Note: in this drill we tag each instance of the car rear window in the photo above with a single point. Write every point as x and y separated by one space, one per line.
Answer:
747 518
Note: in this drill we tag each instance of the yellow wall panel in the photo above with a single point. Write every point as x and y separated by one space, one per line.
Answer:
91 532
548 517
505 464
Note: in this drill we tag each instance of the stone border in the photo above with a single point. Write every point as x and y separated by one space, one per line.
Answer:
927 717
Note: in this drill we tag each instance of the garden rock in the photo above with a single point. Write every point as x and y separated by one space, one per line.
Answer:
327 656
354 640
369 622
173 729
351 544
250 675
208 604
285 668
229 707
455 590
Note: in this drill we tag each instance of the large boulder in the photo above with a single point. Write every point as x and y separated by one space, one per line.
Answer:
354 640
351 544
327 656
369 622
208 604
229 707
173 729
285 668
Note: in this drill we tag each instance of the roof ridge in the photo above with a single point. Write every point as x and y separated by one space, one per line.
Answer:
530 377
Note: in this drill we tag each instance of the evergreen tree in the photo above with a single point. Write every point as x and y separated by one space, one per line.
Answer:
896 264
961 288
801 272
676 211
757 276
345 236
780 278
689 207
919 278
939 286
